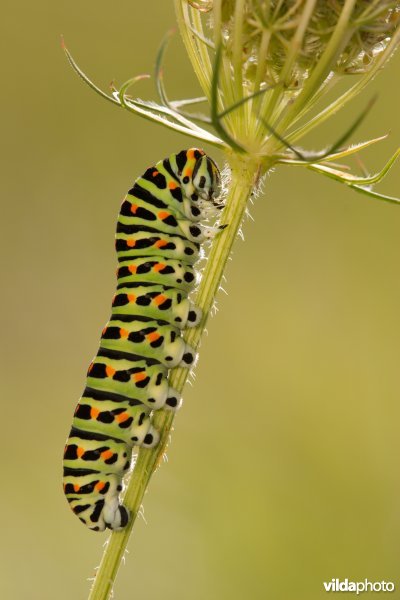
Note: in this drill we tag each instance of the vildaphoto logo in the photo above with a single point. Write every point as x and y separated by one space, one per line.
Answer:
337 585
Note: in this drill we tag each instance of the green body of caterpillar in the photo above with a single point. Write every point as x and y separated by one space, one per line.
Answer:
158 240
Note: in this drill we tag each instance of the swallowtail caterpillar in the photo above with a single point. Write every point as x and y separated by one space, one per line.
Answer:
161 226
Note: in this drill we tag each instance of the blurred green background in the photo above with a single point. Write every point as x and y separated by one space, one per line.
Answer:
283 471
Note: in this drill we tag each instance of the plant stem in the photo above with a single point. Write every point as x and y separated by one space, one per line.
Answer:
244 175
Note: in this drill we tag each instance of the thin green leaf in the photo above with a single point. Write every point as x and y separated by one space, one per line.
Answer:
214 105
313 157
83 76
372 194
195 116
159 71
360 184
176 104
283 141
180 116
146 110
158 108
243 101
353 179
188 101
153 112
337 165
159 77
356 123
201 38
353 149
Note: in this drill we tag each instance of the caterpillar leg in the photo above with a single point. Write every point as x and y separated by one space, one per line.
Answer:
194 315
211 232
188 356
198 232
115 515
144 434
94 499
174 400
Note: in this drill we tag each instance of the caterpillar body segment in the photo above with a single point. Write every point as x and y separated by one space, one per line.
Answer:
134 378
150 244
161 226
149 339
129 422
169 272
156 302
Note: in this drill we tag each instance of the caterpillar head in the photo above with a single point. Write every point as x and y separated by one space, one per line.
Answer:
199 175
206 178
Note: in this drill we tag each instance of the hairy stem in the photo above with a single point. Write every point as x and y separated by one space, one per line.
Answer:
244 174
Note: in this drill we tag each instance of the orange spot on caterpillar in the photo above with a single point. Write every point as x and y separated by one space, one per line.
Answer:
155 173
90 367
131 243
123 333
104 330
188 173
139 376
94 412
152 337
172 185
163 215
99 486
76 487
160 243
132 268
122 417
134 208
160 299
159 267
190 154
131 298
110 371
106 454
80 451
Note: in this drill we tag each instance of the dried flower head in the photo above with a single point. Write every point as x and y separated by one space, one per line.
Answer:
270 29
265 67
